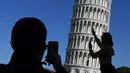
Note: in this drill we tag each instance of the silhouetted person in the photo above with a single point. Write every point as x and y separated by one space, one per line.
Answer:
105 53
28 40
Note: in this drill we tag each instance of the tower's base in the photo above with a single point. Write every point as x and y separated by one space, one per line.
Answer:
81 69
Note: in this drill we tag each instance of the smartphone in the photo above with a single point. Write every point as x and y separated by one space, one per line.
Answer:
53 46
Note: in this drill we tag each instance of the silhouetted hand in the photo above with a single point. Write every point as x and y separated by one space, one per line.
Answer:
44 63
93 32
55 60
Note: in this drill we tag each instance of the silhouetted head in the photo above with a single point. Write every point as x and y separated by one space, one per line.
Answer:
107 39
29 36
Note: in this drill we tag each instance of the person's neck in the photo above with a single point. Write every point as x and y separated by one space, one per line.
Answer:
24 59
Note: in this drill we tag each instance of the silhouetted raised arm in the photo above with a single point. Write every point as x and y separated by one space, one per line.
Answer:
96 39
97 54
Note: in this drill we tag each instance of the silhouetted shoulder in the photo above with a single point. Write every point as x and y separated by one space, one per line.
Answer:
3 68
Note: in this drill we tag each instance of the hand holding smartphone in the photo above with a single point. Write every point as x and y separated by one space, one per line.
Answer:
52 51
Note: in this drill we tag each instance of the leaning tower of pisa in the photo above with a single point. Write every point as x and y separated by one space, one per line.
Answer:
86 14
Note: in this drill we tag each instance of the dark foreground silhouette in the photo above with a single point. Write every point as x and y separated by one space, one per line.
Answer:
28 40
105 53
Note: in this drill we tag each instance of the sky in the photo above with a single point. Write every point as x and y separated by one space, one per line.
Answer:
56 15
